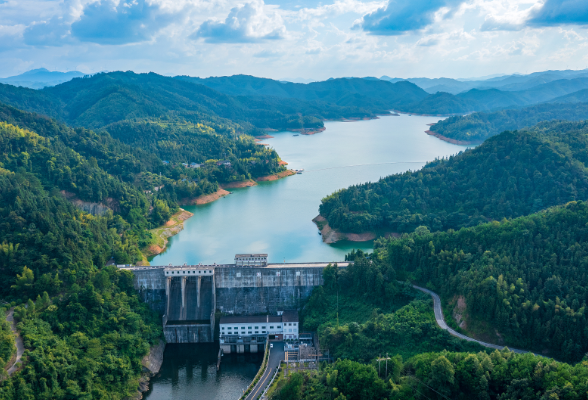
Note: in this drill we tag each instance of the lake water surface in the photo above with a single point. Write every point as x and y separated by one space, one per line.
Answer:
275 218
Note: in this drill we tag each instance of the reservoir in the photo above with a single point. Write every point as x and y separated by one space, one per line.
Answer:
276 218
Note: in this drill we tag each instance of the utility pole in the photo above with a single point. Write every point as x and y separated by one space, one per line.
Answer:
379 364
337 306
386 365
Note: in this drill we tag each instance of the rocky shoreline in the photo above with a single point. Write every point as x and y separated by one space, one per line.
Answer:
449 140
172 227
151 365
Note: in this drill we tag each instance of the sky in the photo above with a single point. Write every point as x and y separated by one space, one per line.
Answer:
287 39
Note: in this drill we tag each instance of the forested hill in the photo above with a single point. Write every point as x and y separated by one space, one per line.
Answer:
509 175
107 98
477 127
526 277
84 328
371 94
135 150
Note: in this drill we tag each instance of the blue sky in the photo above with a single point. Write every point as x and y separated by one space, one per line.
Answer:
292 39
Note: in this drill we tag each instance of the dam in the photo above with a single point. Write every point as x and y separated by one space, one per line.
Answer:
189 296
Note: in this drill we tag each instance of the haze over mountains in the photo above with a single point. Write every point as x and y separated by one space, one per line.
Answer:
40 78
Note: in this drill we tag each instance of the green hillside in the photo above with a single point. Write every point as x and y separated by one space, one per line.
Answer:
525 277
441 375
83 326
106 98
477 127
370 94
509 175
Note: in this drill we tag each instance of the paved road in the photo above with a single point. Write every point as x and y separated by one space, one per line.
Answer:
441 322
276 356
19 343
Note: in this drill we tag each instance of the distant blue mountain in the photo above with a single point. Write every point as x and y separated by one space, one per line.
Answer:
40 78
510 83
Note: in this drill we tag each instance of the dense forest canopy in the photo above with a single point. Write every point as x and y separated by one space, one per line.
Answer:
135 151
501 375
84 328
362 311
107 98
509 175
526 276
477 127
370 94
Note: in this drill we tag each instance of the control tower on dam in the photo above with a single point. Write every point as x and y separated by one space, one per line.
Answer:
187 296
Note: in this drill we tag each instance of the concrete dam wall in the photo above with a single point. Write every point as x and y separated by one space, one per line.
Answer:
187 296
263 290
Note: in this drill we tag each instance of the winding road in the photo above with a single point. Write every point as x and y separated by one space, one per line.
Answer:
19 342
441 322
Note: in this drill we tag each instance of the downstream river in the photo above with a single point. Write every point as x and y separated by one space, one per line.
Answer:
276 218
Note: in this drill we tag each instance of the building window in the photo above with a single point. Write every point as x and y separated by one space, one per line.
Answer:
249 332
250 327
256 331
236 327
263 332
257 327
272 327
223 328
279 326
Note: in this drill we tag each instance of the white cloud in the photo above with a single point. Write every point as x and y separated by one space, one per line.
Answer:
246 23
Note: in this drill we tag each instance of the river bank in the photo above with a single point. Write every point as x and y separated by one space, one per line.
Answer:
162 234
330 235
275 177
449 140
151 365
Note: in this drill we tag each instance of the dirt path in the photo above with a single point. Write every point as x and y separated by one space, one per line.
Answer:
19 342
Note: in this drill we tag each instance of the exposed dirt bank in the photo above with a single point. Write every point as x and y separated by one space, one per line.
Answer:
264 137
275 177
90 207
309 131
240 184
449 140
208 198
161 235
331 235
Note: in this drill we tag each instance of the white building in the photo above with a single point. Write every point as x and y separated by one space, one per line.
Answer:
250 260
248 333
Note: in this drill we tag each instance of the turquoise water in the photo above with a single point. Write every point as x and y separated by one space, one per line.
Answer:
276 217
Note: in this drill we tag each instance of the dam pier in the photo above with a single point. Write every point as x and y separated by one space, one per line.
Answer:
188 296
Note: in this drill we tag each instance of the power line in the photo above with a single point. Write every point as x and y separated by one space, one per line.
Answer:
440 394
362 165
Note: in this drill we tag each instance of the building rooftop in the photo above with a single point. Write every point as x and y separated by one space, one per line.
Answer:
250 255
250 319
290 316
